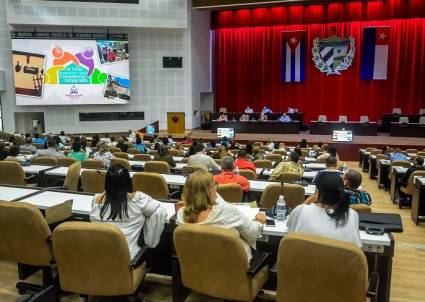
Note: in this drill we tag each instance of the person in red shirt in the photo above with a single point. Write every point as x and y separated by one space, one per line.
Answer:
227 176
243 163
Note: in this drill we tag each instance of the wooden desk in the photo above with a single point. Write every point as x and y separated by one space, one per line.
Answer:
397 173
418 200
407 130
327 128
383 167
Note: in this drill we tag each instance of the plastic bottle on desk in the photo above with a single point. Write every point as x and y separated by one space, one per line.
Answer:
281 209
237 170
344 168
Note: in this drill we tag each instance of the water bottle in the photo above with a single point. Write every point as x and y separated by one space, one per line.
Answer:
344 168
281 209
237 170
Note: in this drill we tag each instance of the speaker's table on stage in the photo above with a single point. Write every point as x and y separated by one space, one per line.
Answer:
407 130
270 127
326 128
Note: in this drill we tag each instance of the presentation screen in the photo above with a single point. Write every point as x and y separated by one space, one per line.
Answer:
342 136
225 132
71 72
150 130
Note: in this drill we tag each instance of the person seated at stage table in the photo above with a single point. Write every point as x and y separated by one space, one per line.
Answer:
51 151
77 153
330 151
243 163
129 211
397 155
290 166
222 117
202 205
228 176
418 166
14 154
330 215
244 117
285 118
164 155
103 154
249 110
266 110
200 159
263 117
28 146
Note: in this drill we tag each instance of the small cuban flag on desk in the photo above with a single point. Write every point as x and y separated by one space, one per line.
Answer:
293 56
374 64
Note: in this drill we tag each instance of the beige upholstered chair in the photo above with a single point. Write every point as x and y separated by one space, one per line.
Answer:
133 151
421 111
24 238
72 177
114 149
157 167
294 195
289 177
408 190
274 157
380 156
186 170
342 119
121 155
420 154
102 266
257 144
152 184
121 161
340 266
412 151
398 163
248 174
91 164
375 152
11 173
422 120
93 181
142 157
65 161
45 160
179 153
403 120
361 208
230 192
281 152
263 163
322 118
224 273
364 119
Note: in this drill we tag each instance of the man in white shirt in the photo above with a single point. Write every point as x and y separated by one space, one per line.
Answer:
200 159
248 110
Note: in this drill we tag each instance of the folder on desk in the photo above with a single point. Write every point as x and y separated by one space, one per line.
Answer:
385 221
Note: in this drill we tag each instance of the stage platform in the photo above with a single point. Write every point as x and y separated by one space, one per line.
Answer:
346 151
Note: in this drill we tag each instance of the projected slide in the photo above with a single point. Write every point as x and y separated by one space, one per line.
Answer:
71 72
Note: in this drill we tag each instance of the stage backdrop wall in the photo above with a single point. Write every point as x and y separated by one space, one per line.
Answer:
248 51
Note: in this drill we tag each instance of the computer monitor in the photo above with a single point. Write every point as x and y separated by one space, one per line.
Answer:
150 130
342 136
225 132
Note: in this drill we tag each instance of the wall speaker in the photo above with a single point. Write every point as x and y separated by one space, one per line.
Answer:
172 62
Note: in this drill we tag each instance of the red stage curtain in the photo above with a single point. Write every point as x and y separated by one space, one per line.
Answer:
248 66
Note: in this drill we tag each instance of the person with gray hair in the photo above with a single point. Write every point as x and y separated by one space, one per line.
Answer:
228 176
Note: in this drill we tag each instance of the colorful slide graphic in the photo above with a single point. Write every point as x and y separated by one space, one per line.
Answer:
77 72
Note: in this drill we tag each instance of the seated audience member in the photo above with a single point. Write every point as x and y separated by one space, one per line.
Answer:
164 155
291 166
222 117
385 151
352 182
122 145
113 142
37 139
200 159
243 163
85 147
51 151
244 118
202 206
248 148
212 144
221 153
303 143
330 216
95 140
285 118
331 151
59 143
249 110
270 145
3 151
225 142
397 155
106 139
256 153
77 153
331 166
227 176
129 211
28 146
263 117
186 140
418 166
103 154
131 136
266 110
171 142
63 138
14 154
139 145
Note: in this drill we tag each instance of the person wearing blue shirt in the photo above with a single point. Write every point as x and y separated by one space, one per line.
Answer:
266 110
139 145
37 139
397 155
285 118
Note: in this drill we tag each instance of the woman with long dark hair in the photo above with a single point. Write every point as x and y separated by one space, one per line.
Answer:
128 210
331 215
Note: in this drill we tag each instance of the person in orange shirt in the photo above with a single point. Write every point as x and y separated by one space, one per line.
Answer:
243 163
227 176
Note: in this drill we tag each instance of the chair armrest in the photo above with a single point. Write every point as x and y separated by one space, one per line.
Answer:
30 178
257 262
174 194
140 257
372 290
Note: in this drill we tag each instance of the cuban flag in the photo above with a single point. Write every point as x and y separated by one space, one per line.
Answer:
374 63
293 56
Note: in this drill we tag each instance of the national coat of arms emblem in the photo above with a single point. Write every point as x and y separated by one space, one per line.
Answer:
333 54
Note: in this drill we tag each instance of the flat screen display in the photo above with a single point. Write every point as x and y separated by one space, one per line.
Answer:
150 130
70 72
342 136
225 132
